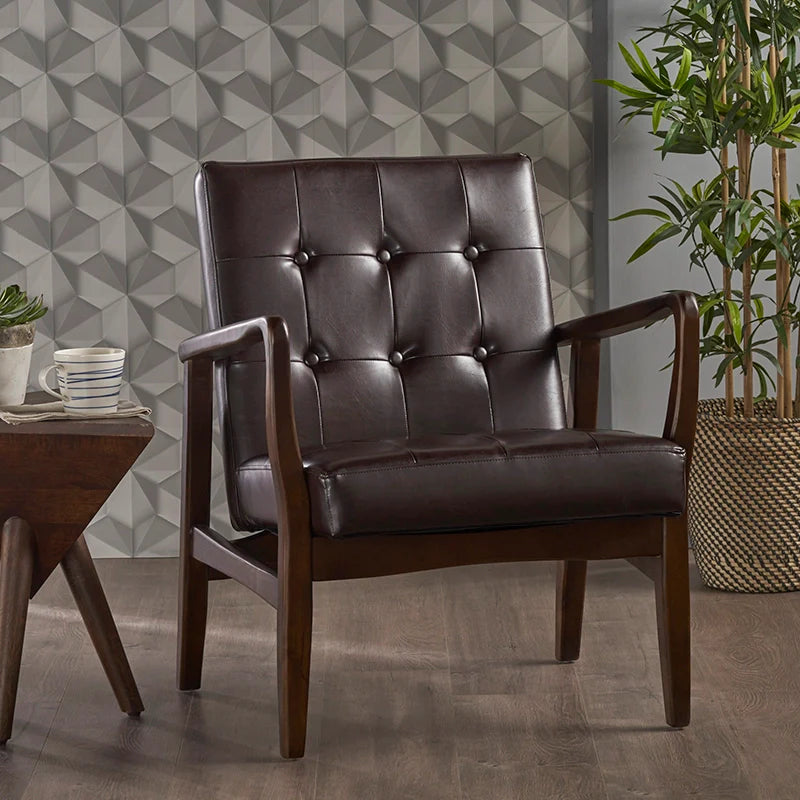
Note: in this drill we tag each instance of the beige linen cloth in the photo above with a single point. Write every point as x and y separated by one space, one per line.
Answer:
38 412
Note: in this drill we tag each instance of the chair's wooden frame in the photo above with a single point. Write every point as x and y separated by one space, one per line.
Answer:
281 568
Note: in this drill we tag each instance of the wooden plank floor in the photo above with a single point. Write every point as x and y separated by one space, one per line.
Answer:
437 685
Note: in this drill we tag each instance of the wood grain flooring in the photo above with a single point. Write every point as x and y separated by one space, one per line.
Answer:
439 686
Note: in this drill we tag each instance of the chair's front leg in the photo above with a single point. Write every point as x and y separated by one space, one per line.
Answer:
570 591
672 614
294 638
571 583
192 619
198 390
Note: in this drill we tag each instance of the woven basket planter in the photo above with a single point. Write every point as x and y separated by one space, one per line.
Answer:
744 499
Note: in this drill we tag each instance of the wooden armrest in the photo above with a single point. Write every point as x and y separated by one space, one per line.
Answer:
200 352
232 339
680 305
585 334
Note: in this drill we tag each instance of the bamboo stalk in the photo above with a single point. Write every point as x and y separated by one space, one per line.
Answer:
743 154
726 270
793 408
788 368
782 384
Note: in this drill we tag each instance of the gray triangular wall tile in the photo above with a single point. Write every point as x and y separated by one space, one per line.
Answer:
107 105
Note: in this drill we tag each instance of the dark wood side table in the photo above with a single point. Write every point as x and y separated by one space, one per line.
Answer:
54 477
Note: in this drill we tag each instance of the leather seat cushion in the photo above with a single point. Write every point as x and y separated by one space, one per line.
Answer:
462 482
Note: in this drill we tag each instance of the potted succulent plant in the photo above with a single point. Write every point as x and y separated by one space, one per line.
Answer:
722 84
18 315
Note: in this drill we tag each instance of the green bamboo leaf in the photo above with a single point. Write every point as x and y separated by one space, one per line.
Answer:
708 304
707 320
642 212
744 29
629 91
708 131
723 365
630 61
764 381
781 144
772 99
647 69
658 110
769 356
670 137
671 207
787 119
683 69
713 241
735 320
781 331
665 231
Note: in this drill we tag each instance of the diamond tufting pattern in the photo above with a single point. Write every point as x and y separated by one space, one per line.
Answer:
415 292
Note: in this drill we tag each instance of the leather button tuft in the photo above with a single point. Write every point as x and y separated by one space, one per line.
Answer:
480 353
384 256
471 252
311 359
396 359
301 258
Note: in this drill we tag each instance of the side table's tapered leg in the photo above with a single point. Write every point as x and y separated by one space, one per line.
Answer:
16 570
91 601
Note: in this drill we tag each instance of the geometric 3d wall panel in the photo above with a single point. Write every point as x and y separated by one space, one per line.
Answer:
107 106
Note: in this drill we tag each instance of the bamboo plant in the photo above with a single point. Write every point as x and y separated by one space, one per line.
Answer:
723 82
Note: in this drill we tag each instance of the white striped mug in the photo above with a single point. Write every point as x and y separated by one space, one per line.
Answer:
89 379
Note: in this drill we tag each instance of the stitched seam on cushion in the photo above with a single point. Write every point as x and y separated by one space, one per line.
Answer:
305 300
213 247
596 445
372 255
502 447
326 489
492 438
525 350
679 452
410 357
261 255
231 448
391 297
477 291
325 486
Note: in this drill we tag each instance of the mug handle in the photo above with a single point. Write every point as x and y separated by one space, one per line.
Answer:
43 381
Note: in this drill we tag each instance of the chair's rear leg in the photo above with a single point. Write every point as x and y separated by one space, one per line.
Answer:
570 592
294 642
198 391
192 617
672 614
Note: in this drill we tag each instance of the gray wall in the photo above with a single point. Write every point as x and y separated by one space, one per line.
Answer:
106 107
638 388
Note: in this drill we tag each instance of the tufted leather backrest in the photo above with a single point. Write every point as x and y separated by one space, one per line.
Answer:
415 291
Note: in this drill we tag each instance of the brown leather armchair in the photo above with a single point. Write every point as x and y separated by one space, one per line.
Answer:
388 385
